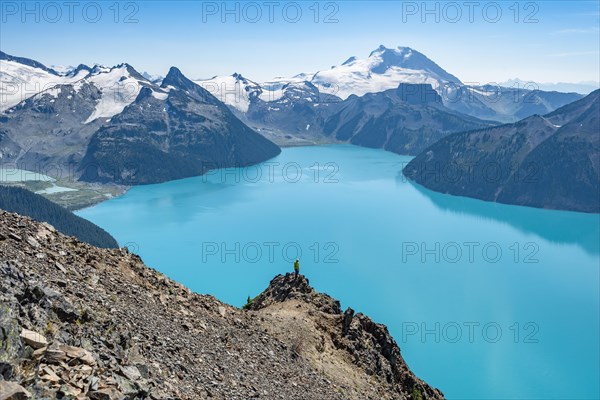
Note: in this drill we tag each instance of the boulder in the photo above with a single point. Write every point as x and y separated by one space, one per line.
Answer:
78 353
54 356
13 391
33 339
131 372
48 374
106 394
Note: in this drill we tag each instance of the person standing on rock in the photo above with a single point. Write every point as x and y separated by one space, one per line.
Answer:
296 268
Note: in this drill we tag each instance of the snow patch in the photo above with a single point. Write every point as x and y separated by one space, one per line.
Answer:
119 89
233 90
18 82
159 95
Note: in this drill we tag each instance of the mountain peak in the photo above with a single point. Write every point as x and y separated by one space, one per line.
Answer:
132 71
78 69
383 58
385 68
174 73
400 50
98 69
379 49
176 78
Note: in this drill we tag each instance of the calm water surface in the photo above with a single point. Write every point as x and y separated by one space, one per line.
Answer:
486 301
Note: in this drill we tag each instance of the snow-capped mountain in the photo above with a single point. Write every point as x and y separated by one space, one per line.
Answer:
239 92
21 78
387 68
275 88
183 133
119 87
64 112
128 129
233 90
384 69
296 108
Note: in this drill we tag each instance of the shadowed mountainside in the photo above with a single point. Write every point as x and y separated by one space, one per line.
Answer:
24 202
550 161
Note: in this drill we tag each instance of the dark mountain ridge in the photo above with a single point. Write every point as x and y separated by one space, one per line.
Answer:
404 120
550 161
184 134
24 202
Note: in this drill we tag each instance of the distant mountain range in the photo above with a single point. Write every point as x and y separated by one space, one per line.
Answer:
404 120
117 125
550 161
386 69
583 88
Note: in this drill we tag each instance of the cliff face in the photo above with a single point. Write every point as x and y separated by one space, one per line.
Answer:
81 322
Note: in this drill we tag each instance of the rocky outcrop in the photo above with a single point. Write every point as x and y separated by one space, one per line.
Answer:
283 288
78 322
360 345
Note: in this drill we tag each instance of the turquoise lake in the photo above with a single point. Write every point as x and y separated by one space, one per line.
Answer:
486 301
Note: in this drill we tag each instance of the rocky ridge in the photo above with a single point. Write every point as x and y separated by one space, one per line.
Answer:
78 322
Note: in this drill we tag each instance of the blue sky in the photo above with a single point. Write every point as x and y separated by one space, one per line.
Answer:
546 41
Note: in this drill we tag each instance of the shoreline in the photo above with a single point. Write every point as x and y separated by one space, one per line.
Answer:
77 196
